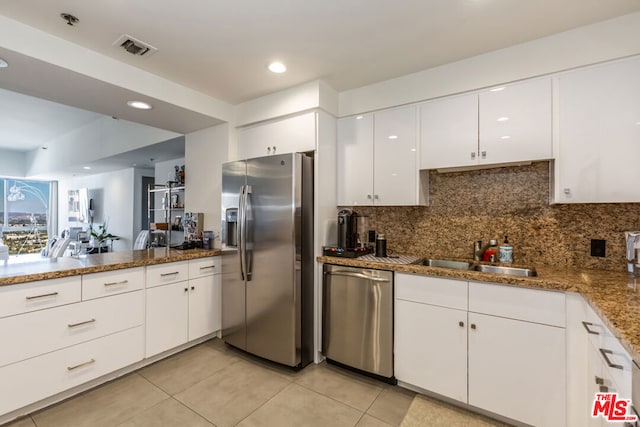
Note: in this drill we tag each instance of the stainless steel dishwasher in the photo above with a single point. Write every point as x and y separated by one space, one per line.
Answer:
357 319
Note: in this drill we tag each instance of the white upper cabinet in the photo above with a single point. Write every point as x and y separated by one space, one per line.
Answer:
449 132
355 160
395 153
515 122
290 135
506 124
599 134
377 158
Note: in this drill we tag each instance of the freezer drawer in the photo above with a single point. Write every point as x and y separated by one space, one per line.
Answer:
357 320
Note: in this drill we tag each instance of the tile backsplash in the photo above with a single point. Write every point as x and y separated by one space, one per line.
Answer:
491 203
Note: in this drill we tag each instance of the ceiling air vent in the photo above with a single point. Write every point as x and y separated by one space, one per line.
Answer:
134 46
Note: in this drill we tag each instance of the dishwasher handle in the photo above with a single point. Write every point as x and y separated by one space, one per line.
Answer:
357 275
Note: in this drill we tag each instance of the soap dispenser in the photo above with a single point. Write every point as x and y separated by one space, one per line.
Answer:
506 251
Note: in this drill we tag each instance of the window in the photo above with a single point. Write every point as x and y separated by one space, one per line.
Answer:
25 218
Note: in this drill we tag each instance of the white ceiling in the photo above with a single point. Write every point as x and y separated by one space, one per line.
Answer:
222 48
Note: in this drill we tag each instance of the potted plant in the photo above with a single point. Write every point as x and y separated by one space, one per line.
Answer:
101 235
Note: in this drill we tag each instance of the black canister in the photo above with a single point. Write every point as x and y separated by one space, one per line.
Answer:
381 246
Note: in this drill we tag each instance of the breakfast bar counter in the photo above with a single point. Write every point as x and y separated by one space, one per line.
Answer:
53 268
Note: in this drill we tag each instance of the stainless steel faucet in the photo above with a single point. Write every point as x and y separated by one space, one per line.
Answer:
478 249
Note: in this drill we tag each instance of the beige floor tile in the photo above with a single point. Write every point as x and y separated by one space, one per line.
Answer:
355 390
391 405
369 421
297 406
168 413
107 405
232 393
286 371
425 411
22 422
181 371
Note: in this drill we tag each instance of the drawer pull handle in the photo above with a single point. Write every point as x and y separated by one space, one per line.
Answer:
207 267
52 294
586 326
123 282
169 274
599 381
604 389
604 353
88 362
86 322
461 324
473 326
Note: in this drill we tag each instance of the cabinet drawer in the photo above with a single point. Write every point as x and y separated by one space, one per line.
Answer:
162 274
204 267
431 290
617 365
98 285
26 297
31 334
532 305
27 382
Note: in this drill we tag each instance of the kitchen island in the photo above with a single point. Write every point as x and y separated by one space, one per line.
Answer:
86 320
53 268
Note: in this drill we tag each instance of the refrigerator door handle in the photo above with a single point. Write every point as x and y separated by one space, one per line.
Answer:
245 226
240 231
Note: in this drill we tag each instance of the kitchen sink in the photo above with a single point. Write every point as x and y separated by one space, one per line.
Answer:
513 271
495 269
443 263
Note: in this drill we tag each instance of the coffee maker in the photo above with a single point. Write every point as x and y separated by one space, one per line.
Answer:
347 229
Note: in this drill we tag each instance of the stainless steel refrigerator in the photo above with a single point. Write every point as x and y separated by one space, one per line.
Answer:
267 261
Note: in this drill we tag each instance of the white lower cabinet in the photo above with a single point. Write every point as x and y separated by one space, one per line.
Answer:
34 379
486 348
167 311
185 310
597 363
517 369
431 348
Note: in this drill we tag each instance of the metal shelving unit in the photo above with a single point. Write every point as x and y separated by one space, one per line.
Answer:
170 198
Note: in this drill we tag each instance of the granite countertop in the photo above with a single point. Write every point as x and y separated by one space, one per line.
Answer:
53 268
606 291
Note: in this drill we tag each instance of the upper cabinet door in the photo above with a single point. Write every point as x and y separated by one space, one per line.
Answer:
291 135
599 134
395 157
355 160
449 132
515 122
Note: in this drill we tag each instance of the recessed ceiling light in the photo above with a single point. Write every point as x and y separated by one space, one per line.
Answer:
44 147
359 117
413 149
139 105
277 67
3 63
86 167
497 89
502 119
393 136
505 137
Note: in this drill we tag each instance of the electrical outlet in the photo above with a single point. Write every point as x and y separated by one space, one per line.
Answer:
598 247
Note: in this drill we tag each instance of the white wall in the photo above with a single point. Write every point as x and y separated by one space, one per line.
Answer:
615 38
12 163
101 138
113 195
205 152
